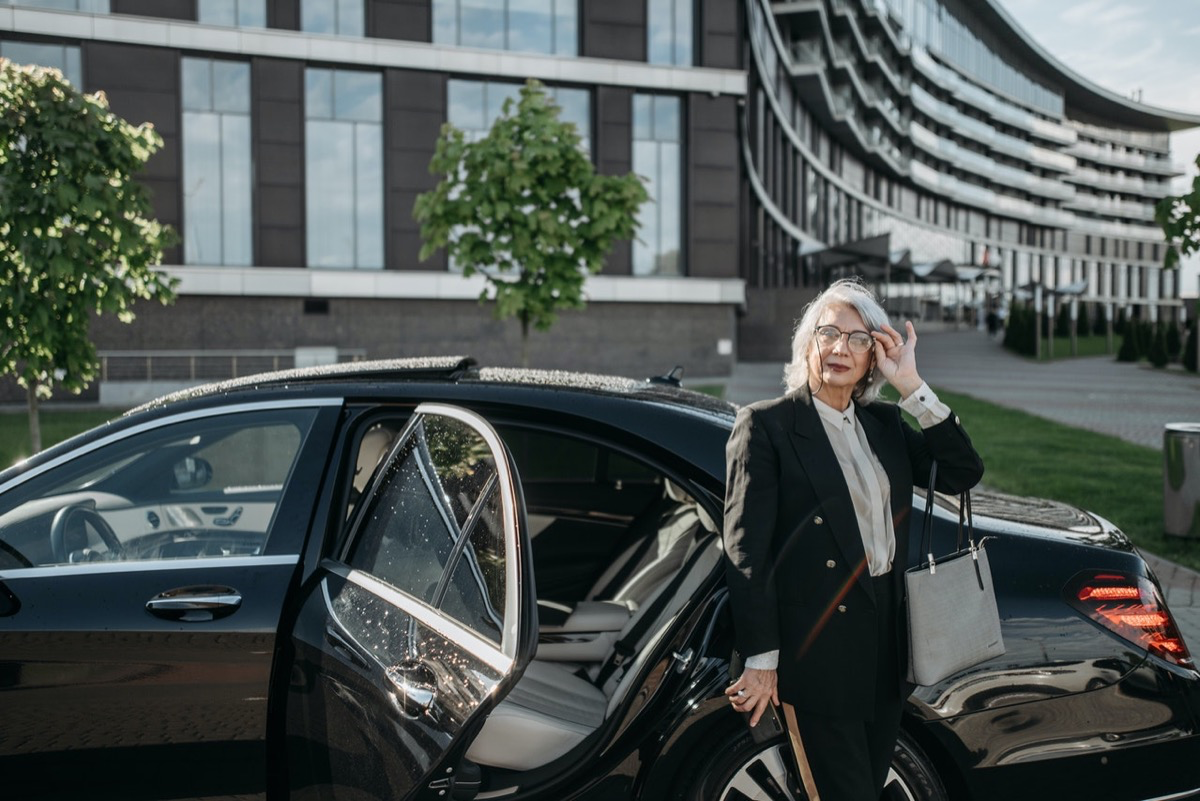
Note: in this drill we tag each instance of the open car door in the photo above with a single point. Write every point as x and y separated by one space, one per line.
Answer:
419 626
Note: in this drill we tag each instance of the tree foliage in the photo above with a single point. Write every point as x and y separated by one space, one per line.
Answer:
1157 352
1179 218
77 236
524 207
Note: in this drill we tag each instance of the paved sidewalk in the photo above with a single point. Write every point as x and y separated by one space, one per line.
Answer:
1097 393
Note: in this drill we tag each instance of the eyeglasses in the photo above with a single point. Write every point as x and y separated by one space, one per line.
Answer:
859 341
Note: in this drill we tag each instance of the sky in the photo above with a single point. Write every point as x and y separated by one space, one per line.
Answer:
1151 46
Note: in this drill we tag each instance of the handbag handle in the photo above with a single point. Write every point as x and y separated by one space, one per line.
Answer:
965 516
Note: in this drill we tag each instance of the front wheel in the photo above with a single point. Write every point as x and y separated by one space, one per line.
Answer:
745 769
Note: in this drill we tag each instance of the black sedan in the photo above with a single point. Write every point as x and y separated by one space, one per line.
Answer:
424 579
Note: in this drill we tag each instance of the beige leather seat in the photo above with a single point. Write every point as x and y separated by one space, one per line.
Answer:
551 709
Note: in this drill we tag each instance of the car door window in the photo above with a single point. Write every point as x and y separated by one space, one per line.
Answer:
207 487
433 527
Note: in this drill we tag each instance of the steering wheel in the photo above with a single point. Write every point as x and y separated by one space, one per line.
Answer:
66 515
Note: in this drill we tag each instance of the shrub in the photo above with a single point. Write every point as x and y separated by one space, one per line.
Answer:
1082 327
1062 321
1174 341
1158 347
1129 348
1189 350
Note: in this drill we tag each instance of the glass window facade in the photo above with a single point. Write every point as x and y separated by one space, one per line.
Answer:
528 26
61 57
340 17
233 13
932 26
669 32
474 105
343 156
658 157
217 170
90 6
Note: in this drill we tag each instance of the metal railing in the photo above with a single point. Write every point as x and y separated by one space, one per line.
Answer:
200 365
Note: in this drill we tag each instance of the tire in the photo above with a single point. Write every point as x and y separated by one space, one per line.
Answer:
744 769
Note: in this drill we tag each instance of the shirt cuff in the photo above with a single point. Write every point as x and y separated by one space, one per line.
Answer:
764 661
924 405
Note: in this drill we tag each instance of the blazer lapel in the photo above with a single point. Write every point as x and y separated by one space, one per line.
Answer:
820 465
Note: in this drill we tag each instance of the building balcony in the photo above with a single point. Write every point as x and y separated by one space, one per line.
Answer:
1113 157
983 133
1113 182
986 168
985 101
1124 209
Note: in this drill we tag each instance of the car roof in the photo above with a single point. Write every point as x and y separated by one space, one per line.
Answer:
334 377
604 399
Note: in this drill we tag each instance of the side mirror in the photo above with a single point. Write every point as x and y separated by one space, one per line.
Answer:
191 473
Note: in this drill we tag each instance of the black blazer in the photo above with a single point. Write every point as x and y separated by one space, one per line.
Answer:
796 566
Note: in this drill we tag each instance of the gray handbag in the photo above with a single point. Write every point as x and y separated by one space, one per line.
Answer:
953 622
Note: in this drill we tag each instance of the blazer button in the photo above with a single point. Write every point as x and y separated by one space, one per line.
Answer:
818 520
831 563
841 607
957 422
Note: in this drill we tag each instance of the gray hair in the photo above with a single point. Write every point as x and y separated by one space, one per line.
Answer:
849 292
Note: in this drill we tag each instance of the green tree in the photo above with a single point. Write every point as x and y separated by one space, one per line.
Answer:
1082 327
1179 218
77 236
524 207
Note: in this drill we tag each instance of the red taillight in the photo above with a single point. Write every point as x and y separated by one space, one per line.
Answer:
1131 607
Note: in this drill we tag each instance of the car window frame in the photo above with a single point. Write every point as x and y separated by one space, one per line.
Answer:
303 479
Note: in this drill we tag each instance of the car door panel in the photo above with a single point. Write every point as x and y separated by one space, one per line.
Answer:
419 625
117 679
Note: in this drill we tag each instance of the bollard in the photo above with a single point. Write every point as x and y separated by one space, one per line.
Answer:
1181 479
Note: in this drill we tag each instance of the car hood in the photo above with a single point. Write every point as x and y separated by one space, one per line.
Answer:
1040 517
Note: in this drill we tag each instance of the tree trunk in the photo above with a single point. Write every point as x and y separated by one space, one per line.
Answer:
35 426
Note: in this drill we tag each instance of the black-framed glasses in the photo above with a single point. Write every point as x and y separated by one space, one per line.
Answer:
858 341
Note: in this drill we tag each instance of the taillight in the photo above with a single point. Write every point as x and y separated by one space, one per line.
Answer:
1132 608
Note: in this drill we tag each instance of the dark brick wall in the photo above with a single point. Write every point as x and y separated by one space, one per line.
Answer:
764 328
614 156
168 9
719 44
278 131
142 85
283 14
414 108
638 339
613 29
400 19
712 186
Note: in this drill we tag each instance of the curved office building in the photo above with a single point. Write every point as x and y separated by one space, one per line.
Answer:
907 137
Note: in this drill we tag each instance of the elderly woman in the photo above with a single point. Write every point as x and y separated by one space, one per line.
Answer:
817 537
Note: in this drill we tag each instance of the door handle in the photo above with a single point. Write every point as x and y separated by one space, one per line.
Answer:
417 684
197 604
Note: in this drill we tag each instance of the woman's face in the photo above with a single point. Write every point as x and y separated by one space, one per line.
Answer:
836 365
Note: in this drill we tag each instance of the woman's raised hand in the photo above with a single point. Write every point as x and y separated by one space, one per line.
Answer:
897 358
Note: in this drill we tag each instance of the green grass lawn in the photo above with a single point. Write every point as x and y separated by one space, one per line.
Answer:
56 426
1028 455
1087 346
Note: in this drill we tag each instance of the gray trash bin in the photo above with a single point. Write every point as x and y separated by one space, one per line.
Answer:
1181 479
